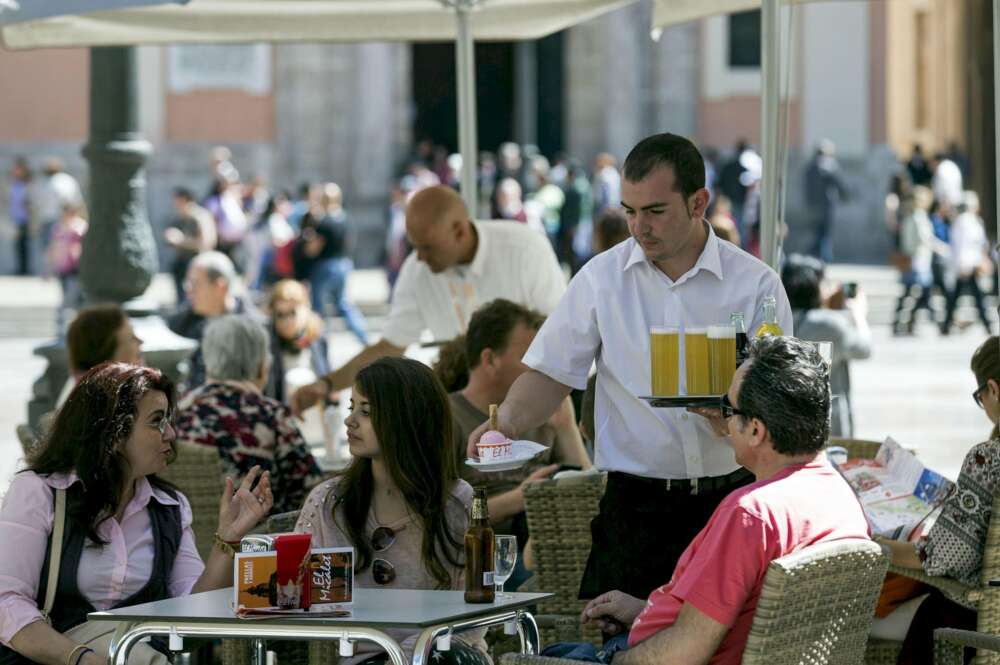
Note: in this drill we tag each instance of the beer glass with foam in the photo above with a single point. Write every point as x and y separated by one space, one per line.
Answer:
721 357
699 377
664 356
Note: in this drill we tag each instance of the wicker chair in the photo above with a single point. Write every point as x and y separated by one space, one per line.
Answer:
559 514
984 599
27 438
197 471
816 606
949 644
857 448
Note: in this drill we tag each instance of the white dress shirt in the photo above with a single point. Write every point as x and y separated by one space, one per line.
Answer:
511 262
606 315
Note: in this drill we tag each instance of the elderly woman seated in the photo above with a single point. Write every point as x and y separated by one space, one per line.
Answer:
231 413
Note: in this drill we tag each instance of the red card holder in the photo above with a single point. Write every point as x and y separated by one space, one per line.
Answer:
294 581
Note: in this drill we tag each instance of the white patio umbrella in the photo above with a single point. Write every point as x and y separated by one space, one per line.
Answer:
18 11
277 21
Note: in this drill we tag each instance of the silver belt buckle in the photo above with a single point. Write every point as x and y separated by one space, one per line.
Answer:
694 486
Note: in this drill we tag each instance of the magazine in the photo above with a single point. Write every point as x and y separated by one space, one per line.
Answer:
331 577
896 491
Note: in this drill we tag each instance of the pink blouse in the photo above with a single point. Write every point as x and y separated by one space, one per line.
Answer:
107 575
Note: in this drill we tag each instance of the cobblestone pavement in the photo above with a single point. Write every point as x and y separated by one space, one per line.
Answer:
916 389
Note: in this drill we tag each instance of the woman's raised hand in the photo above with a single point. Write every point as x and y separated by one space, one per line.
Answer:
243 509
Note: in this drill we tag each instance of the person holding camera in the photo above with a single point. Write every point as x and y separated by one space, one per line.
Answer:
839 317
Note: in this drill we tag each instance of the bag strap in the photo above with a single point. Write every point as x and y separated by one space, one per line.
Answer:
55 553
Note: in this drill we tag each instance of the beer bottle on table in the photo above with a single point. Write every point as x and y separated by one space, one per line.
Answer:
479 545
770 324
736 319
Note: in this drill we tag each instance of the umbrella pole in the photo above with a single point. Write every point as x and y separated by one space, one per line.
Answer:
465 67
770 64
996 105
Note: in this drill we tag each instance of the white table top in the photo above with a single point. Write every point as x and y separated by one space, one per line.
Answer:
373 608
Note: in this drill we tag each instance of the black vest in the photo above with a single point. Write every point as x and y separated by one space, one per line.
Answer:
70 608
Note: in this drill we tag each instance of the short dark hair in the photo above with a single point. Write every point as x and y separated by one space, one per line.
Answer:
90 339
491 325
801 276
183 193
610 228
787 386
660 150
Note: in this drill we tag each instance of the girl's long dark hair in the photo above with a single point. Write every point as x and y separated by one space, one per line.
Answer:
412 420
89 434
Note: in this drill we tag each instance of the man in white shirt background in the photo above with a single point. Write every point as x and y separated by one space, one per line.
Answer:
456 266
667 469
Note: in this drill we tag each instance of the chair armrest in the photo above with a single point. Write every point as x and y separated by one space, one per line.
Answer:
953 589
950 643
520 659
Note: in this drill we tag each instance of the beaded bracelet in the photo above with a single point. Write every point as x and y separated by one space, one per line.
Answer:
227 546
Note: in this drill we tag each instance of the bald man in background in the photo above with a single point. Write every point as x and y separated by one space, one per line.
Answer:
456 266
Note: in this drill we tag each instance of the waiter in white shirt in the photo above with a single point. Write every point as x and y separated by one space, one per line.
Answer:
667 470
456 266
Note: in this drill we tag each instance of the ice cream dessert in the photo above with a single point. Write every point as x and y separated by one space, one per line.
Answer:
493 444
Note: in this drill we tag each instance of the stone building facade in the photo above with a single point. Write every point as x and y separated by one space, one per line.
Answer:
348 112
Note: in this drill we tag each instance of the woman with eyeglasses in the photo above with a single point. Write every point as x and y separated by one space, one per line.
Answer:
126 534
954 545
297 342
400 502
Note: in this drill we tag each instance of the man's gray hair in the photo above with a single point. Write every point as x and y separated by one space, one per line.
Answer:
234 347
787 386
217 266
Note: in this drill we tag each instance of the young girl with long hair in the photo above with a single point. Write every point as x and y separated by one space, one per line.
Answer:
400 502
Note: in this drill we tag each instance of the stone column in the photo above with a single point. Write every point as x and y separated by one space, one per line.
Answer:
119 251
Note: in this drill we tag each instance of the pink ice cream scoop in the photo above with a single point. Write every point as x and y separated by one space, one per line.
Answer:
493 444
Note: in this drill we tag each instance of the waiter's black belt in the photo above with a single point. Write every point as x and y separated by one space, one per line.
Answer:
690 485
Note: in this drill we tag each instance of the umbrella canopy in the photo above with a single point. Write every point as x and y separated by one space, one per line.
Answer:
233 21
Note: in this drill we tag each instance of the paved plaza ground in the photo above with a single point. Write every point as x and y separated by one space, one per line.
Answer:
916 389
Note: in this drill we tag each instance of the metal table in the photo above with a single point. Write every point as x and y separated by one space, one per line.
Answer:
433 613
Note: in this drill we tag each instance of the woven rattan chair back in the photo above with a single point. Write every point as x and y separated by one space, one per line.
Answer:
197 471
559 514
817 605
857 448
282 522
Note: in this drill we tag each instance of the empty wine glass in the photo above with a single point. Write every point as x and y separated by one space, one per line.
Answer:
504 559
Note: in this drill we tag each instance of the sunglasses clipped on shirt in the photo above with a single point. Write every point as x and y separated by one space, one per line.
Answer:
383 572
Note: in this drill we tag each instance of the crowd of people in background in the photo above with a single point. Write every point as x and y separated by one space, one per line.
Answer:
941 244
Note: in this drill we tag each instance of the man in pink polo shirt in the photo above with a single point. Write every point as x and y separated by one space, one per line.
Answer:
777 415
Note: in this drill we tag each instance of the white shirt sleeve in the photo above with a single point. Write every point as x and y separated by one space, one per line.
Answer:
405 322
565 348
546 281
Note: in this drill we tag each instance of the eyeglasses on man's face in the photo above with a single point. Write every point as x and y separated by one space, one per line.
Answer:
728 410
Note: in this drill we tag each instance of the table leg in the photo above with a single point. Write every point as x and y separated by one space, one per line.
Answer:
258 653
123 628
528 630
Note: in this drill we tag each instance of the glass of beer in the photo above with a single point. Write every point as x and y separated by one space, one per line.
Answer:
721 357
699 377
664 356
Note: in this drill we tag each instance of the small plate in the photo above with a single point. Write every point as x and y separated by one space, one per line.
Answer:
522 452
682 401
